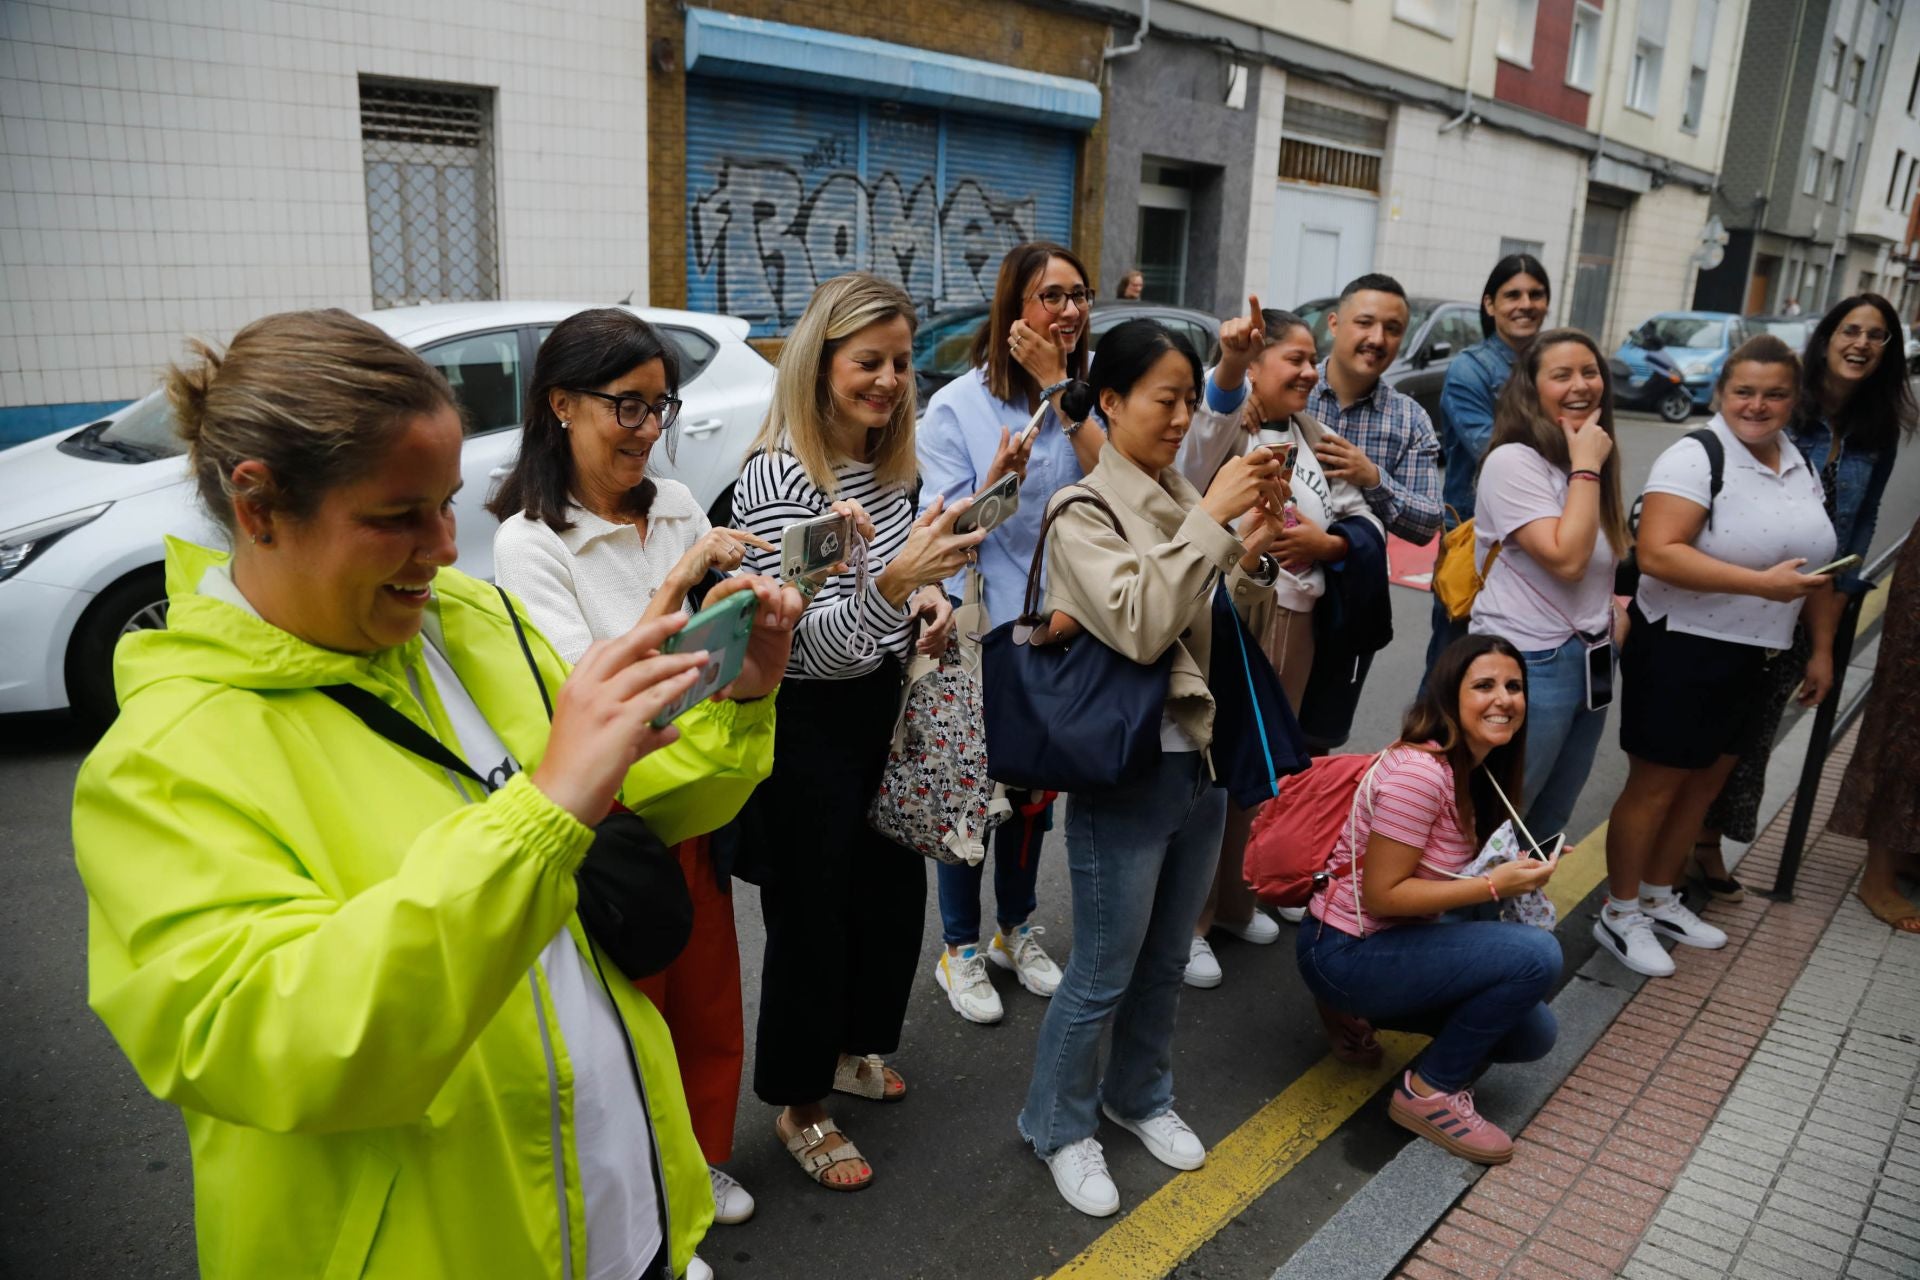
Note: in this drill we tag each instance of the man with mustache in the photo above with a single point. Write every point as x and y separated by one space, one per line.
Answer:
1381 442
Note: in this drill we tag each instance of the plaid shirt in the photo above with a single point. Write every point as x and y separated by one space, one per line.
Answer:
1397 436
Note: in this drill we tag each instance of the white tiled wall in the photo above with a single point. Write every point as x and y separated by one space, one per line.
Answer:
1654 270
174 167
1266 168
1449 198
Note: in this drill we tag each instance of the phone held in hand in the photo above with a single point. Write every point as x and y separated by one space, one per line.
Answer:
1836 566
723 630
992 508
810 547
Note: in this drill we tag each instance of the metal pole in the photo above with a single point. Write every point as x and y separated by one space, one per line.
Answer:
1816 761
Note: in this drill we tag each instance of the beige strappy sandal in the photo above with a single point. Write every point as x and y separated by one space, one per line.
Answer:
875 1085
815 1163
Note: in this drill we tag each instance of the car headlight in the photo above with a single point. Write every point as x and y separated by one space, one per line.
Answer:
19 546
1699 369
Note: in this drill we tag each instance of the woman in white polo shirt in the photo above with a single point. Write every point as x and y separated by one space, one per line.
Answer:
1722 585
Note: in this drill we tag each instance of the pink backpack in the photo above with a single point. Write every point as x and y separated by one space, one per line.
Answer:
1293 834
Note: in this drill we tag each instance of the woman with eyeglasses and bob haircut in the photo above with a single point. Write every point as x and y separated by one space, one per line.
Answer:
1375 947
1855 405
1723 581
592 544
1033 341
843 905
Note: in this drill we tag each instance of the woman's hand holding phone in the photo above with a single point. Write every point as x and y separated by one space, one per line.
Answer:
602 716
1523 875
1244 482
777 610
1785 583
1014 453
933 552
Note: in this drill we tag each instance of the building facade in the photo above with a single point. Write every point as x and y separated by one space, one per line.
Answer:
794 140
165 177
1797 190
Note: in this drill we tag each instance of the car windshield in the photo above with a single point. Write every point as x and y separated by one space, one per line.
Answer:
1683 331
147 428
944 345
1791 330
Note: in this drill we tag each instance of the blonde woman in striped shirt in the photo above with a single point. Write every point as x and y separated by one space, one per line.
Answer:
843 905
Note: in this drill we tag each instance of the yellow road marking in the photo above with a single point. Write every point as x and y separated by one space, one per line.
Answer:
1871 608
1170 1225
1187 1212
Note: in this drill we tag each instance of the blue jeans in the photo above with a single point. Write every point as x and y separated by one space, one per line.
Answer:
1445 632
1562 735
1016 868
1141 859
1477 988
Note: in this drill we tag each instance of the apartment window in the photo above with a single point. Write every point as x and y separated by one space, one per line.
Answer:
1836 173
1517 20
1703 19
1649 54
1893 180
1435 15
1836 59
1906 194
1330 147
1913 90
1583 48
1512 244
1813 298
1856 72
429 168
1811 183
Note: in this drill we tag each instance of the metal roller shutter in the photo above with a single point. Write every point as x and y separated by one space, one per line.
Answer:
786 189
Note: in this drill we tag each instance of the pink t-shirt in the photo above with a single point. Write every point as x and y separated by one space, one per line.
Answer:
1412 801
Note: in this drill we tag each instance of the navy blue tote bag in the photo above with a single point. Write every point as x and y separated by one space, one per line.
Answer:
1256 740
1067 717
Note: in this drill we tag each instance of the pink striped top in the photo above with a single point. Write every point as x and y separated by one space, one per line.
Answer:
1412 794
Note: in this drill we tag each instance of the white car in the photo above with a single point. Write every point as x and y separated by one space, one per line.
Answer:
84 511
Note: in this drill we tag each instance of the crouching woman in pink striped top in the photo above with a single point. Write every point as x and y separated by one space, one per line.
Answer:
1379 950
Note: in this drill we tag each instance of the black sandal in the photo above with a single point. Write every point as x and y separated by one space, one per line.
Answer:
1727 890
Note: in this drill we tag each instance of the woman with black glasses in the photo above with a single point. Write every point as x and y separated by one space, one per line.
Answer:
592 544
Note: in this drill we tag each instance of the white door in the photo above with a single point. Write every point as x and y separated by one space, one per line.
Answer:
1321 240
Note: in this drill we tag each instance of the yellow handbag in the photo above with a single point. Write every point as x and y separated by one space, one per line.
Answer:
1456 578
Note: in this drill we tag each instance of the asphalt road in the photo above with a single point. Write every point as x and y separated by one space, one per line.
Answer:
101 1184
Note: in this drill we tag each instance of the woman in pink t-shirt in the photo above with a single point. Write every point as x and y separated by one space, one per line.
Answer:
1377 949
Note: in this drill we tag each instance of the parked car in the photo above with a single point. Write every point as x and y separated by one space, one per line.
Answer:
81 560
1792 330
943 346
1437 331
1697 344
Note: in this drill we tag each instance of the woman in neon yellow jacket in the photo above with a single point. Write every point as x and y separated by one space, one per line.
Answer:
357 973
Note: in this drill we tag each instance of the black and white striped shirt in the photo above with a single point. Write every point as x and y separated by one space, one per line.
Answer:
773 493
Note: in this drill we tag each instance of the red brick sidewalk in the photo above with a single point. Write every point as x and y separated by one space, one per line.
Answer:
1591 1169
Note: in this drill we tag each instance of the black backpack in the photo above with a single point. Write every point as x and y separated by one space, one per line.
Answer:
1626 575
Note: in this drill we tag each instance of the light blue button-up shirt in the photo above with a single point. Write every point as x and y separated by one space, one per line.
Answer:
957 438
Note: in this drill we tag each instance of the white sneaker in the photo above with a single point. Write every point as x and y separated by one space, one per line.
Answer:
1032 965
1080 1173
1260 930
1628 937
1293 915
731 1203
964 978
698 1270
1674 919
1203 970
1166 1137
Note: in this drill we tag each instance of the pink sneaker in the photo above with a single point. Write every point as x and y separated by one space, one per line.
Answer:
1449 1120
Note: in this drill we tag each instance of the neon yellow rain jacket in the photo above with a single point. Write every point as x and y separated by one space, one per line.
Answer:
304 938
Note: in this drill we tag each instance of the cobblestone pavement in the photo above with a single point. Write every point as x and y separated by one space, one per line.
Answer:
1754 1115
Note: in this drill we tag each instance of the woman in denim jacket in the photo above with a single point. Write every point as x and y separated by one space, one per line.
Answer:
1855 405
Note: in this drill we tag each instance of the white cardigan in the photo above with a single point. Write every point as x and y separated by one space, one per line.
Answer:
593 581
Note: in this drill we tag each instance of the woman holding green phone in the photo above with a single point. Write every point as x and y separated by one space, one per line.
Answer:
592 544
843 905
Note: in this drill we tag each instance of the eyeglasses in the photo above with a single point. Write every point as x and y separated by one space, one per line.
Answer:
1852 333
1055 300
632 412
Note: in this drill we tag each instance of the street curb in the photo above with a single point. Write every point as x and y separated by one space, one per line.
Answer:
1374 1231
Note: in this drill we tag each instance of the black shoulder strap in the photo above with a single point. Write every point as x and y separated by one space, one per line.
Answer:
399 730
1709 439
526 650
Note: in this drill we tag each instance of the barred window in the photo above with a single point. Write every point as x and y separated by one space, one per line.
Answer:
430 218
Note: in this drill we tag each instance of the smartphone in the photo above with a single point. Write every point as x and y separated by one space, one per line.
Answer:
1283 445
1835 566
1550 851
1600 675
723 631
807 547
1032 428
992 508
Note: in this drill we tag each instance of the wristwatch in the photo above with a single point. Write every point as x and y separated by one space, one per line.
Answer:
1268 571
